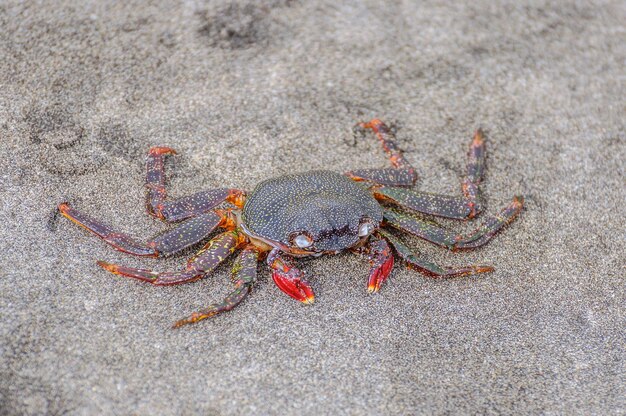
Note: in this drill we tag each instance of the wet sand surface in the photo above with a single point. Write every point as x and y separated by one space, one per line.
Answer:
248 91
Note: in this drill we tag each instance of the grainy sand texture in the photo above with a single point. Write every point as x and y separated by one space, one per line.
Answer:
245 91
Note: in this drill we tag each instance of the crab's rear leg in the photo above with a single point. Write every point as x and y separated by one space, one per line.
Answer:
182 236
205 261
381 261
243 275
288 278
184 207
402 174
427 267
433 232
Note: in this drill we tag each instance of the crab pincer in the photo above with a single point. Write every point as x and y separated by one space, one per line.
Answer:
289 279
381 262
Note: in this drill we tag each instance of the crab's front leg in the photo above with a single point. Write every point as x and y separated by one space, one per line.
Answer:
288 278
381 261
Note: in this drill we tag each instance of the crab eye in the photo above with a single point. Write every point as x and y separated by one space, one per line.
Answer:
303 241
365 229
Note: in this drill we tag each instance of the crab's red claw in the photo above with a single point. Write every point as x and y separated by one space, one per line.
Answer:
382 263
289 279
294 286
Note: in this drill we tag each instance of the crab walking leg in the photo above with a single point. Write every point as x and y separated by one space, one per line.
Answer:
155 178
192 231
199 203
475 170
205 261
428 230
388 176
120 241
182 236
433 232
457 207
381 262
405 173
388 141
288 278
491 225
243 275
427 267
185 207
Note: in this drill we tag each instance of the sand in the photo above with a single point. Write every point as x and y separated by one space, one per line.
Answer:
247 91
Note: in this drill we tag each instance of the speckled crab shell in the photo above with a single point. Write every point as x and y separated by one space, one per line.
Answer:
327 206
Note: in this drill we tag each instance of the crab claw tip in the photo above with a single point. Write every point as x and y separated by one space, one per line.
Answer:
294 287
309 300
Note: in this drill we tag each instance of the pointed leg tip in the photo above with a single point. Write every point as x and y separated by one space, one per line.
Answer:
479 136
372 124
518 200
162 150
483 269
64 208
108 266
179 324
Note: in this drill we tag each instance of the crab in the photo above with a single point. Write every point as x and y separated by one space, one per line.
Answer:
305 215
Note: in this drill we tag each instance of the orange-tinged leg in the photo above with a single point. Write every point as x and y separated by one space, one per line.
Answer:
388 141
403 174
288 278
456 207
425 266
182 236
199 203
120 241
388 176
155 178
184 207
433 232
491 225
205 261
243 275
475 169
